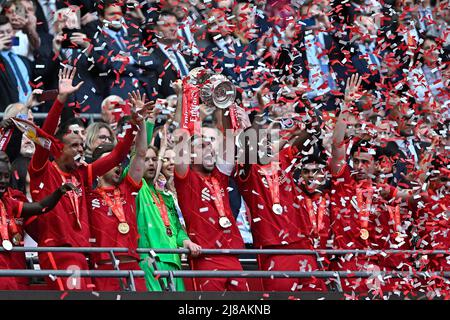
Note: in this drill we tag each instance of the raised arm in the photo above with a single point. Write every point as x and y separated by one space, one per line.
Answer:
46 204
120 151
338 143
137 164
181 136
65 89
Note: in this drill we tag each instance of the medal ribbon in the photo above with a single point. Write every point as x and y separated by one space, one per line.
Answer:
316 219
214 188
116 207
394 215
233 117
364 206
3 222
270 178
162 209
73 196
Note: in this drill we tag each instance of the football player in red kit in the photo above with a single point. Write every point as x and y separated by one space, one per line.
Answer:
112 206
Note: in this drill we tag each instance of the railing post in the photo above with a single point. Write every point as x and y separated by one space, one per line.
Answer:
116 267
153 255
319 262
132 285
338 283
171 282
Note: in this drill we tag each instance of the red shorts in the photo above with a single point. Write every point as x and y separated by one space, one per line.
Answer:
222 263
65 261
363 285
291 263
6 283
113 284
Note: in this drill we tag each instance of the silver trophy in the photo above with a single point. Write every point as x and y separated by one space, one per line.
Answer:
218 91
215 89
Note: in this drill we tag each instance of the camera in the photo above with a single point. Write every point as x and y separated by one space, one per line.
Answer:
66 43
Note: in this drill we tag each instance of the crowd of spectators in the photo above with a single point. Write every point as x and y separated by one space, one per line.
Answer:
357 94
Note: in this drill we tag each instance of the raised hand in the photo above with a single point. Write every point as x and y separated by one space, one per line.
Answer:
6 123
178 87
32 99
66 187
243 118
140 107
5 42
65 86
195 249
352 91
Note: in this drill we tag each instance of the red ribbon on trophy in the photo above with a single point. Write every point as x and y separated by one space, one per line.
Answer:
39 137
235 124
190 118
5 135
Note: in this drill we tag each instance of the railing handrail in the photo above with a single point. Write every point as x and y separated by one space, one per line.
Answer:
217 274
66 249
223 251
71 272
292 251
43 115
294 274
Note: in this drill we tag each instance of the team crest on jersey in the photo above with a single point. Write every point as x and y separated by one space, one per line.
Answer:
206 194
95 203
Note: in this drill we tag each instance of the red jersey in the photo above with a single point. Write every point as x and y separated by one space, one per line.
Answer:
13 210
67 224
269 228
432 216
350 215
314 216
196 199
104 223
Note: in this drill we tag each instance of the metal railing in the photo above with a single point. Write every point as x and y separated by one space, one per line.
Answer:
43 115
171 275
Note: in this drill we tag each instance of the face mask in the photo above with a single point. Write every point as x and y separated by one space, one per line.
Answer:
114 24
161 184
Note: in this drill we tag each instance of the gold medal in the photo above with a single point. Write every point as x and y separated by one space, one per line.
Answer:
399 237
17 239
364 234
7 245
124 228
224 222
277 208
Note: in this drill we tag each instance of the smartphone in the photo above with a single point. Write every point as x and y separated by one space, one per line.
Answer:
66 43
48 95
15 41
21 11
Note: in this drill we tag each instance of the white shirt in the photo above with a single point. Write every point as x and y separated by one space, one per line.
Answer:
23 49
313 52
189 39
402 146
49 8
171 56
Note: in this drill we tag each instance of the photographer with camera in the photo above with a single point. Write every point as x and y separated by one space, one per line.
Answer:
70 44
21 14
14 80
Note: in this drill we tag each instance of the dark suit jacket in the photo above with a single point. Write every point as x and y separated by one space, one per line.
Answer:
403 164
232 66
117 76
86 71
42 25
299 64
8 82
359 62
161 67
